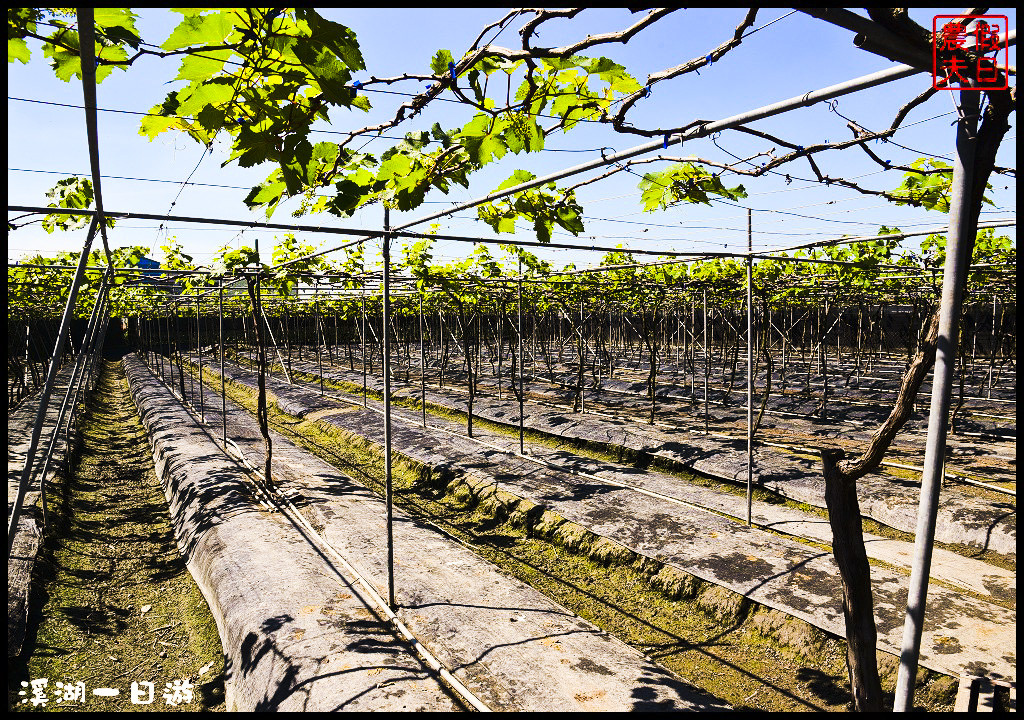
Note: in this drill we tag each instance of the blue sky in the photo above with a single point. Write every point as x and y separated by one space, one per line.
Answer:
792 56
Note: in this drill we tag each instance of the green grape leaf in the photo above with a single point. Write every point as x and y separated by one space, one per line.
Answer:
336 38
439 64
203 66
195 29
17 49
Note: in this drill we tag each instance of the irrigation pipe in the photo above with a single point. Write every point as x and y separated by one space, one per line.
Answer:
675 426
785 446
547 464
789 446
296 515
44 397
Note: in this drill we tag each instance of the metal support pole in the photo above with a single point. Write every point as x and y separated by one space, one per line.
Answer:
199 356
961 230
363 341
522 390
170 354
191 383
159 349
28 357
423 370
51 375
78 377
223 389
501 326
583 408
319 334
386 342
707 364
699 130
992 349
750 367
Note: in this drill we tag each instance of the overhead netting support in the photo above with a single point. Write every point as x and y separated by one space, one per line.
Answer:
821 350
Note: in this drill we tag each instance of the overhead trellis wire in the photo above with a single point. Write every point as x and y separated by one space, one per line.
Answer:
696 129
477 239
701 130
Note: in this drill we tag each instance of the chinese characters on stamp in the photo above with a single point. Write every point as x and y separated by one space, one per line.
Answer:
970 52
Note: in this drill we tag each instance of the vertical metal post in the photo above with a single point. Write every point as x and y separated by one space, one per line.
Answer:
992 349
191 384
501 326
522 390
199 355
440 349
75 381
28 358
693 352
386 342
319 333
51 375
159 348
961 227
223 389
583 408
423 370
750 366
363 340
163 344
170 353
707 364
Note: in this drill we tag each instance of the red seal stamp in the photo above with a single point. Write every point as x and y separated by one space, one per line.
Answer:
970 52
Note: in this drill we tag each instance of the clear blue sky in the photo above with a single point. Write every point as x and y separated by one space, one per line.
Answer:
790 57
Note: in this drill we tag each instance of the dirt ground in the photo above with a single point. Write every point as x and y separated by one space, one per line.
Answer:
114 606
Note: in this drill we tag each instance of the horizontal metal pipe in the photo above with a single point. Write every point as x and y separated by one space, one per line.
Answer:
369 234
44 396
1005 222
861 83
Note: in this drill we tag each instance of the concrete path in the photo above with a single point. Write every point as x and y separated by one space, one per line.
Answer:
29 534
963 634
963 518
294 631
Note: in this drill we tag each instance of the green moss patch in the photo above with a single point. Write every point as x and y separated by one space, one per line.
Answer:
749 655
114 603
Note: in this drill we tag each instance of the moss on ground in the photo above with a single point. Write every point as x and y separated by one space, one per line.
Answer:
751 656
640 460
113 601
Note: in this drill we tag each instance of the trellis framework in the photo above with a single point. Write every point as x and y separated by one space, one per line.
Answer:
961 231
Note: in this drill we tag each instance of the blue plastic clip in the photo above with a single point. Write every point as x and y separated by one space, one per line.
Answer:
451 69
710 60
647 91
800 148
355 88
664 143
